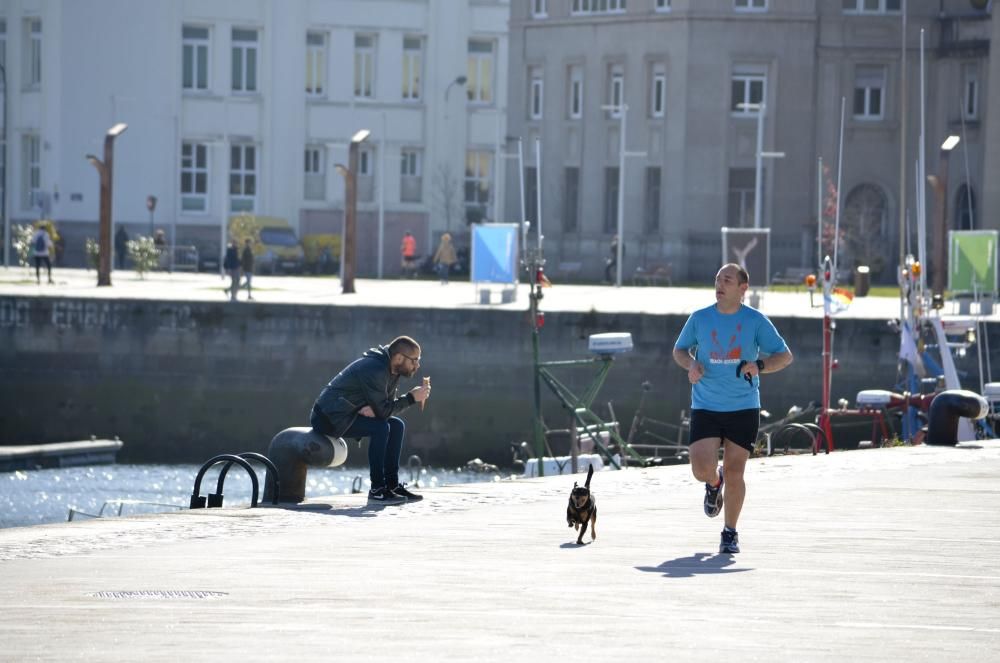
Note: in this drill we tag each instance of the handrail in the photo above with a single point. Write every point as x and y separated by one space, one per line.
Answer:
199 502
215 499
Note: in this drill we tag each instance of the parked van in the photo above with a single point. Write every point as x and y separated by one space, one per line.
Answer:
279 250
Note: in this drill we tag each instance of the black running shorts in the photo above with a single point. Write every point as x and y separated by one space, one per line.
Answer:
739 426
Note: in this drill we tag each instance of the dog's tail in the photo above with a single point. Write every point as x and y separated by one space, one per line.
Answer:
590 473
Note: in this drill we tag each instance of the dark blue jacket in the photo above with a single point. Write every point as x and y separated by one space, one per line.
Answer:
232 260
365 381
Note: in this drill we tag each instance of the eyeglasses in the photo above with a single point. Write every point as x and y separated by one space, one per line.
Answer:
415 360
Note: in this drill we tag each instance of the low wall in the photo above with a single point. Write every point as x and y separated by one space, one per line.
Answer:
181 381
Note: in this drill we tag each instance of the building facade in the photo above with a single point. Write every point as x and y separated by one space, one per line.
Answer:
240 106
697 79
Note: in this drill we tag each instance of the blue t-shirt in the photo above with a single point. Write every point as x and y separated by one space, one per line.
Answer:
721 341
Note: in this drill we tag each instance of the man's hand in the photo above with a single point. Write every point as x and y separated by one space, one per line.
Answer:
367 411
421 393
695 372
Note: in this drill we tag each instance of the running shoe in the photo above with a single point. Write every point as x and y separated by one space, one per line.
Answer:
713 498
403 492
384 496
730 542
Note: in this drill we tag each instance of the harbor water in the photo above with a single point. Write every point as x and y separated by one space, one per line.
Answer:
37 497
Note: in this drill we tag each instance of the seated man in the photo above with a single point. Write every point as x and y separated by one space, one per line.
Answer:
361 400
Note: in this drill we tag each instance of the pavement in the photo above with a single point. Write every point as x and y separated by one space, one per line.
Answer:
871 555
186 286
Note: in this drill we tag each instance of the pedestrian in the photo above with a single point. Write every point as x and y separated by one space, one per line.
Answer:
611 264
444 257
231 264
720 348
246 264
121 246
361 401
160 242
408 250
42 248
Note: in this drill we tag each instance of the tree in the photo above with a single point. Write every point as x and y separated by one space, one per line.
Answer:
447 195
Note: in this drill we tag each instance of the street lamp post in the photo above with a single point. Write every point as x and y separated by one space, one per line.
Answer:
758 196
3 184
940 184
349 243
106 172
622 112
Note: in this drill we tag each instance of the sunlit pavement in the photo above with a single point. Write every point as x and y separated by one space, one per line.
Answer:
874 555
183 286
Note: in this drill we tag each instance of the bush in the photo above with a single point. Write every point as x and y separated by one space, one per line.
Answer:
315 246
144 254
22 244
93 252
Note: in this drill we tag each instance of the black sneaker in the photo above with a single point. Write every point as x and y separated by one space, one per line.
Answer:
403 492
713 498
384 496
730 542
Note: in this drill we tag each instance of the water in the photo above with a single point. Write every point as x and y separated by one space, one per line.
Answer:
36 497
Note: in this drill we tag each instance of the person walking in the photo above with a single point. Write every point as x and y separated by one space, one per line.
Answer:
444 258
42 249
121 246
719 347
362 401
231 263
246 264
408 251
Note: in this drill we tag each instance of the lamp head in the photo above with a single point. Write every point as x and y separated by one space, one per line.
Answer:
950 142
360 136
460 80
116 130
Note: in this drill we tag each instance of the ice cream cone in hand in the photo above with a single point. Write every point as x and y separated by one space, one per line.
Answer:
427 383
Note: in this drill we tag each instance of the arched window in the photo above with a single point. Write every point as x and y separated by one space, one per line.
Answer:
865 221
965 209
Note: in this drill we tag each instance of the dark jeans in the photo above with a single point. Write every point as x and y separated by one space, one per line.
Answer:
385 444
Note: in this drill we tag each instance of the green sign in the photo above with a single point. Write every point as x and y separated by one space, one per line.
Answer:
972 261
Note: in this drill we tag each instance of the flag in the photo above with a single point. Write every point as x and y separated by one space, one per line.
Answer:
908 350
837 301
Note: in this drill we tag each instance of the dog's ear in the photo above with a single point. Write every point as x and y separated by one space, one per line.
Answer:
575 484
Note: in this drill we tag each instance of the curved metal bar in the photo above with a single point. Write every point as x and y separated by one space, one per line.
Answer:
196 499
253 455
792 429
818 434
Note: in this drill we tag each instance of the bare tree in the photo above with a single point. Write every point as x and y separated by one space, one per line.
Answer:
447 195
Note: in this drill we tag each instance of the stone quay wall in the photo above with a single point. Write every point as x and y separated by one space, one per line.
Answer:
181 381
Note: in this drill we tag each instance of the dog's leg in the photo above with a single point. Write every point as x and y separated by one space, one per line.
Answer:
593 525
583 530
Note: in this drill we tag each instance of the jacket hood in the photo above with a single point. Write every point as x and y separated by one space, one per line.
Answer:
380 352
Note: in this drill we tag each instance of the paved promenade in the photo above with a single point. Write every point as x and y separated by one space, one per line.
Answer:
423 293
875 555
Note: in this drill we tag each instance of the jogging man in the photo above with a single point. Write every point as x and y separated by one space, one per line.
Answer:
720 348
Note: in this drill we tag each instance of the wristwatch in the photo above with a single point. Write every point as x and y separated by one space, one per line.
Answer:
760 364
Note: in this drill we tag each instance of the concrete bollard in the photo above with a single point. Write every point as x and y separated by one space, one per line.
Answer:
292 451
945 411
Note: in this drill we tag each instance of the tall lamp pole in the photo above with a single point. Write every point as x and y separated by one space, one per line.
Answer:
3 184
349 243
940 184
622 112
105 170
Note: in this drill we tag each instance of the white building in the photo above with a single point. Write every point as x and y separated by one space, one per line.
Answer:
247 105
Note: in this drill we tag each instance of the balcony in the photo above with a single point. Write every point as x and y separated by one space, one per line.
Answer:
964 35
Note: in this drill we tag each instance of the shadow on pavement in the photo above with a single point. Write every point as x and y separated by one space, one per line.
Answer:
702 563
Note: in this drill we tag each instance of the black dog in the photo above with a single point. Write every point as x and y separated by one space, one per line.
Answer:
582 509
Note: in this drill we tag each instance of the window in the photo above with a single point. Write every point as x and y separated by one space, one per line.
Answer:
364 66
244 60
741 197
616 89
366 174
31 171
478 177
575 101
315 173
598 6
970 91
32 53
413 58
749 83
611 200
662 5
194 177
539 8
479 78
535 93
869 81
657 89
194 64
366 162
315 64
871 6
410 176
652 203
242 178
531 195
965 205
750 5
571 199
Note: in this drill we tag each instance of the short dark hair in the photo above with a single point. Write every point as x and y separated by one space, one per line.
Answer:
402 345
744 274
